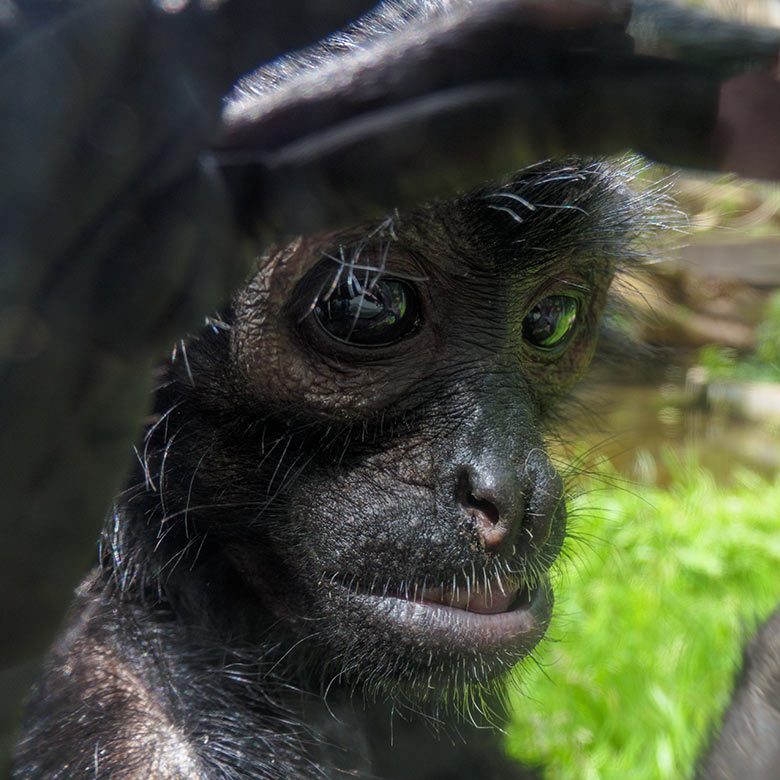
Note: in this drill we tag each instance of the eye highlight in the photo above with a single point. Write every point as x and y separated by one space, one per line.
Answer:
376 314
550 323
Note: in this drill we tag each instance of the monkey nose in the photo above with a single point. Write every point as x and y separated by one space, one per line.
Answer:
507 508
493 503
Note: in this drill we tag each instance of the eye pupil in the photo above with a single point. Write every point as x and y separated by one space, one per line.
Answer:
377 314
550 321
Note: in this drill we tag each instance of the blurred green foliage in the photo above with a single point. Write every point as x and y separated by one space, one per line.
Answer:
762 364
661 591
768 335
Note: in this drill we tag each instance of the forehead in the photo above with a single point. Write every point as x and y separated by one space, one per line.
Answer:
575 211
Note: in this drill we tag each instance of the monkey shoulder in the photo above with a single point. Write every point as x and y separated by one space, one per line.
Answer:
129 693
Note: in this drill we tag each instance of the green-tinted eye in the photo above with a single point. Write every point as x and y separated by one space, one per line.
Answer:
550 321
375 315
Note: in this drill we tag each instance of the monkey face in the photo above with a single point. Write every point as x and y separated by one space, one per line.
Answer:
370 455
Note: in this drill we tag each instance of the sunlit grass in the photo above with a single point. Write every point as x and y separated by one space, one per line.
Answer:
661 591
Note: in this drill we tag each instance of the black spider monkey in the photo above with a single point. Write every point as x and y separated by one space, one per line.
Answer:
343 514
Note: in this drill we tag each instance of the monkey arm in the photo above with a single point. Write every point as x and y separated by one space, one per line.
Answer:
104 114
747 746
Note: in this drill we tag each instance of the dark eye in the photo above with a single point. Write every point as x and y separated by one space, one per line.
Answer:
380 313
550 321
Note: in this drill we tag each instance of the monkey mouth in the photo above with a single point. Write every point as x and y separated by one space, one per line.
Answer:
497 616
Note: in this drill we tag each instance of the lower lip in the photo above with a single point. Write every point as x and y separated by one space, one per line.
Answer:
432 625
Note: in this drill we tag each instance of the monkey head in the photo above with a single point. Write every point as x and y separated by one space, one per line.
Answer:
360 441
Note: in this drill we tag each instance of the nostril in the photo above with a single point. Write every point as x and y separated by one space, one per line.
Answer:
482 507
487 492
